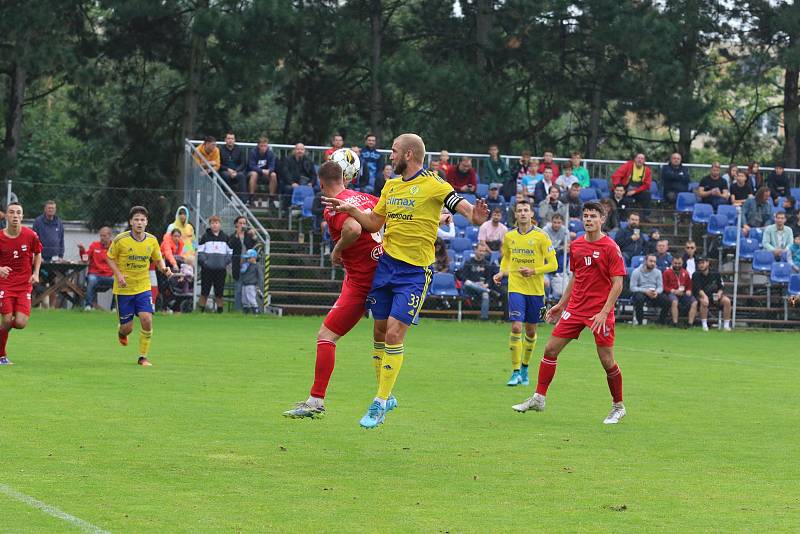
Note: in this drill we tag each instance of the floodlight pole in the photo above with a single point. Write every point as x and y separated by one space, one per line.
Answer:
736 264
196 257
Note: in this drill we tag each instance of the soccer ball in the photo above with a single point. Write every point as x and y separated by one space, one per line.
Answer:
349 162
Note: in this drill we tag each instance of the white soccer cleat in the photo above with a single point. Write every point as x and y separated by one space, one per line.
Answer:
705 328
535 403
617 412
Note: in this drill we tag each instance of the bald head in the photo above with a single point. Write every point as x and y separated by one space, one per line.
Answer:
408 153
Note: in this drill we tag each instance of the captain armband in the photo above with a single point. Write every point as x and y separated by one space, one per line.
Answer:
451 201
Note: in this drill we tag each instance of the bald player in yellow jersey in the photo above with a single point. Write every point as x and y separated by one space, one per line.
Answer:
410 208
528 255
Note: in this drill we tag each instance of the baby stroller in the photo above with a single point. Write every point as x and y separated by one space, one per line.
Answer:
177 292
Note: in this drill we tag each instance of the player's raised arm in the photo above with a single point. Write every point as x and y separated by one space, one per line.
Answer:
371 221
351 231
476 214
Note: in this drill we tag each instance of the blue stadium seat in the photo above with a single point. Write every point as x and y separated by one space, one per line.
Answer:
482 190
579 234
469 197
729 211
636 261
300 193
795 192
451 256
599 184
757 234
701 213
575 225
655 192
693 186
308 203
748 247
471 233
495 258
729 236
717 224
781 272
794 284
763 260
460 245
778 209
460 222
685 202
587 194
444 285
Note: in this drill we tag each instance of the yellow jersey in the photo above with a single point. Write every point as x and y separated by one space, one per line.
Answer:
133 259
533 250
412 208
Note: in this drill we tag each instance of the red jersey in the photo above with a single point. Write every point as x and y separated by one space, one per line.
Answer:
673 281
97 260
360 259
17 253
593 264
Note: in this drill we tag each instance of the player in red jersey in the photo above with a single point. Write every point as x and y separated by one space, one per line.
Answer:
20 260
596 282
358 251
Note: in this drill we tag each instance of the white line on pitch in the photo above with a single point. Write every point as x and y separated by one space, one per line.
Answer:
51 510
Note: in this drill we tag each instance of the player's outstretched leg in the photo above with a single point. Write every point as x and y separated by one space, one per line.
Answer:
314 406
614 379
4 330
547 370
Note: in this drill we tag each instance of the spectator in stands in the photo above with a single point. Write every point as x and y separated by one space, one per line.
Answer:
491 232
794 253
622 202
172 249
447 228
494 199
650 244
636 177
730 176
612 220
210 160
357 150
647 287
261 166
187 233
462 177
50 230
248 278
757 210
741 189
581 172
444 161
232 165
521 169
241 240
790 208
754 175
713 189
380 182
557 232
630 239
436 166
371 163
214 255
778 236
708 289
442 260
689 257
565 181
542 186
663 257
552 205
548 163
674 178
573 201
778 182
476 275
337 142
296 170
496 167
678 289
99 275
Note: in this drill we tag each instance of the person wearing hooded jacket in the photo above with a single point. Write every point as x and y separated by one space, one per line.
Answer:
213 255
187 233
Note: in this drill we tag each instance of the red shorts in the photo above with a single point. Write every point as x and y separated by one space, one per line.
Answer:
348 309
570 327
15 302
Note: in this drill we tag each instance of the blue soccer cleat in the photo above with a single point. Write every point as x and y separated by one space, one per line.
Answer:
515 380
374 416
523 375
391 403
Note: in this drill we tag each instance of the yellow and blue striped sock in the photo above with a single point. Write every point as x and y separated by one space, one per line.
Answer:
515 345
528 346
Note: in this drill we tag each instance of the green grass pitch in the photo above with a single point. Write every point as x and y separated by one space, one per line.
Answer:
197 443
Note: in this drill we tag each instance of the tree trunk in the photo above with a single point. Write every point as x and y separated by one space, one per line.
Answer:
376 98
13 138
593 140
791 118
483 22
193 77
685 142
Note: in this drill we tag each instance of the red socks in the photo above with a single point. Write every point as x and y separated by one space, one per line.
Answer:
326 357
3 341
614 377
547 369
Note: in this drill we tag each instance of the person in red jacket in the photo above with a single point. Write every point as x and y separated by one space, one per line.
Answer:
636 178
678 289
99 275
547 161
462 176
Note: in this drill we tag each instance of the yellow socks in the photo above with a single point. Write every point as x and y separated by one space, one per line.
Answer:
392 362
144 342
527 348
515 344
378 353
